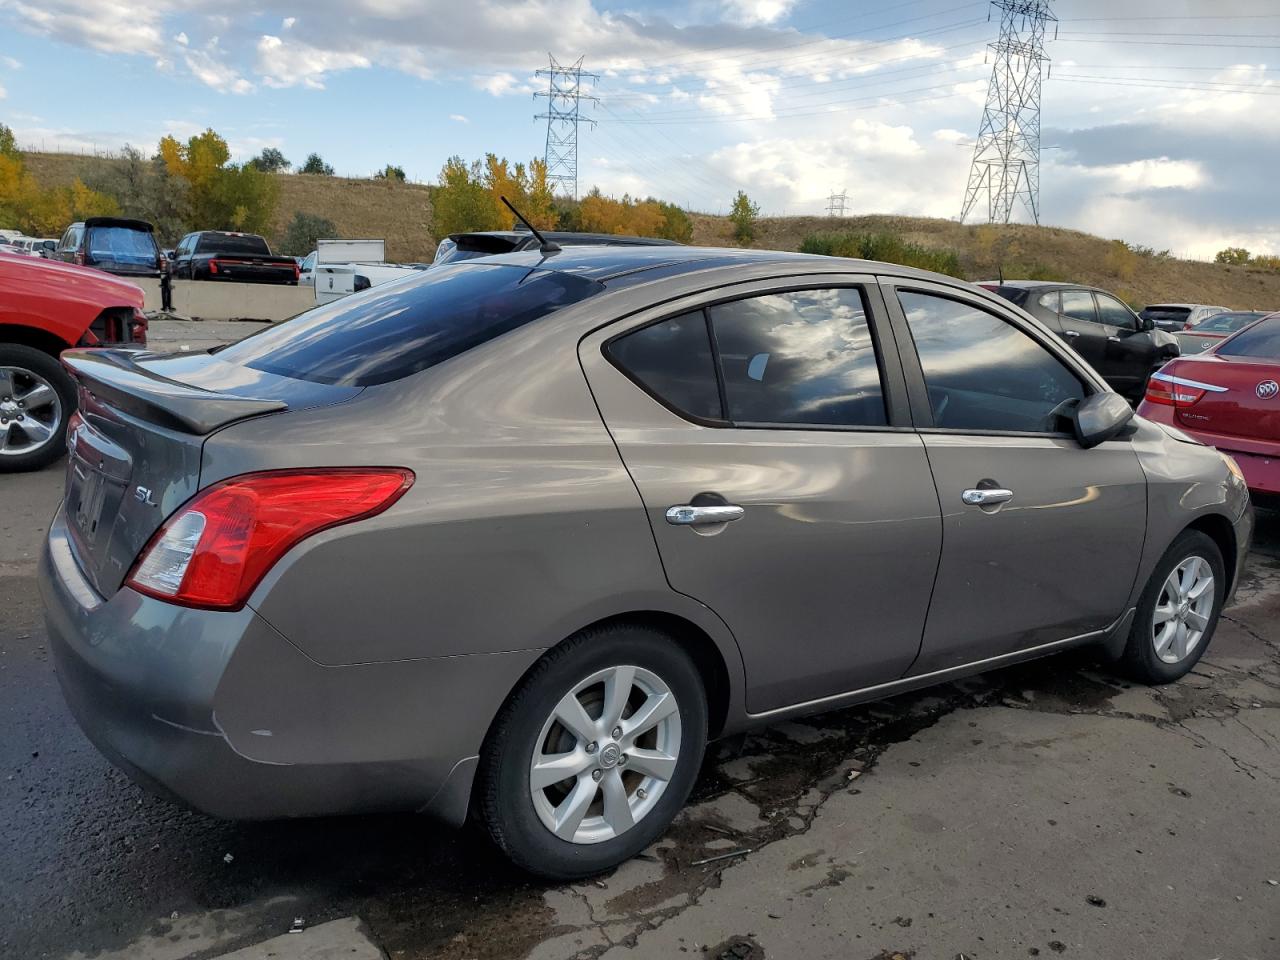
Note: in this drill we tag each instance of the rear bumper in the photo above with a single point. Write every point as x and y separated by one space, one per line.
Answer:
1261 467
220 711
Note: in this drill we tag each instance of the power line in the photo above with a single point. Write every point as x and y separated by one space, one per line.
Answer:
564 101
836 203
1006 159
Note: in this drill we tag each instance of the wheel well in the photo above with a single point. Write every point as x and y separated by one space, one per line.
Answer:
1219 529
32 337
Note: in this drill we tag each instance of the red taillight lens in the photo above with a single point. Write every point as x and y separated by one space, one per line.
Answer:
213 551
138 327
1174 391
213 266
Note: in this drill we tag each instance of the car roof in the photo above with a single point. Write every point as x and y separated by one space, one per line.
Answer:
611 263
566 236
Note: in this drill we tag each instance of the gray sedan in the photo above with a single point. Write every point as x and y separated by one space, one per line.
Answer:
517 537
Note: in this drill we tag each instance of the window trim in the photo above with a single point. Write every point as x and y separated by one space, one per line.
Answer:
879 324
921 409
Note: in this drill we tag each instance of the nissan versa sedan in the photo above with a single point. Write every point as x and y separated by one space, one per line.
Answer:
516 537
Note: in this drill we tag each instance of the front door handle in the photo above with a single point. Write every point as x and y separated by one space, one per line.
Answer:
687 515
1114 339
984 498
1071 333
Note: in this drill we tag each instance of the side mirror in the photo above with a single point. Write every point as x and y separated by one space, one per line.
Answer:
1146 323
1100 417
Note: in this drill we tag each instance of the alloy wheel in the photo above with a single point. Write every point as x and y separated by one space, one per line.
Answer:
1183 609
605 755
30 411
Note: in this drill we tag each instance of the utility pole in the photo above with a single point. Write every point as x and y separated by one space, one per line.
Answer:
564 100
1006 158
836 202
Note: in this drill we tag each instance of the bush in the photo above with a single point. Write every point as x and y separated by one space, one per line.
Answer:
885 247
303 231
316 165
1237 256
1121 260
390 172
270 160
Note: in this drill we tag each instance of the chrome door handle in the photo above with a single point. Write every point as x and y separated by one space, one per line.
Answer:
687 515
1114 339
1071 333
984 498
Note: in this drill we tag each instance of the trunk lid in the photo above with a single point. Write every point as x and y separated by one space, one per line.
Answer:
1242 406
134 449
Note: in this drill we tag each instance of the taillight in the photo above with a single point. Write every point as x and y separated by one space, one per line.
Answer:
1171 391
138 327
297 270
213 266
215 549
78 258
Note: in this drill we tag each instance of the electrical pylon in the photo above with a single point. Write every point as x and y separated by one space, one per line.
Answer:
564 101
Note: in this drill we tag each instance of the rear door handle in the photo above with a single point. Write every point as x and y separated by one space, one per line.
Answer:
687 515
984 498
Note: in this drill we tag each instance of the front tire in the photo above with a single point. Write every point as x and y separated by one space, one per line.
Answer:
37 397
595 753
1178 612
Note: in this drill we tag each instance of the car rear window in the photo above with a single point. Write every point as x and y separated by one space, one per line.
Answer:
121 245
1226 322
1166 313
1262 340
226 243
400 328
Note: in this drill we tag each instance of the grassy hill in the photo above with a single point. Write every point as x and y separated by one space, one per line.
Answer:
401 214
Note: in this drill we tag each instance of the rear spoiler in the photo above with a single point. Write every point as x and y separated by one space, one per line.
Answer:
115 376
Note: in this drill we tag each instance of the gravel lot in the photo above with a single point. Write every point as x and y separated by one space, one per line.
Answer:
1043 810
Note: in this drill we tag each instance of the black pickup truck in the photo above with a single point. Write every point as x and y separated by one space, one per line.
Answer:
244 257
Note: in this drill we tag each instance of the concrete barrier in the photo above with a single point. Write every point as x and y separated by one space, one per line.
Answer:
225 300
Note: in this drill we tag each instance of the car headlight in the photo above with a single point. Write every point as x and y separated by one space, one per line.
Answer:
1234 467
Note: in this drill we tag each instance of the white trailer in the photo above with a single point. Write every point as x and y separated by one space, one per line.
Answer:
344 267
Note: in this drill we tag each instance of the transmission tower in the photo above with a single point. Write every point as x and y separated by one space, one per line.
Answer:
836 202
564 100
1006 159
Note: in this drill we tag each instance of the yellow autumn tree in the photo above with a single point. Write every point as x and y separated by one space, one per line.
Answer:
38 211
220 195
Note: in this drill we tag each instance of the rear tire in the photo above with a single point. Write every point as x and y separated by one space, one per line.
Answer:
624 782
1178 611
27 376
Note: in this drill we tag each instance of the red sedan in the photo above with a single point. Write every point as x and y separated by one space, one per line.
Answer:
46 307
1229 397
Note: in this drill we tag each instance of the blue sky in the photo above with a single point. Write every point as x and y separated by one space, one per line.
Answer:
1159 118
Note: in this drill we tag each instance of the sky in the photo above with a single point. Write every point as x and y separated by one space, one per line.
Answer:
1160 118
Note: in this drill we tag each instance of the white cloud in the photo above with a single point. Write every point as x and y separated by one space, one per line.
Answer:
112 26
288 22
12 63
288 63
3 92
207 66
758 11
458 118
1158 173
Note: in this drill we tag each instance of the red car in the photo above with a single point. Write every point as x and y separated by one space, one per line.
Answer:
45 307
1229 397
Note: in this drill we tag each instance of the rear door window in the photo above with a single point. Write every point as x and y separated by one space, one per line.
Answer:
672 360
1078 304
984 374
803 357
1261 341
409 325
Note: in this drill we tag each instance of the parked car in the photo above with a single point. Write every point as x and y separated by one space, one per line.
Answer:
487 243
46 307
1178 316
243 257
519 535
1218 327
126 248
1117 343
1229 397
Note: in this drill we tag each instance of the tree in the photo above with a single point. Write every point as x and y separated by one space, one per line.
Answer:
220 195
303 231
270 160
8 145
316 165
390 172
743 216
1237 256
24 204
676 224
462 202
146 190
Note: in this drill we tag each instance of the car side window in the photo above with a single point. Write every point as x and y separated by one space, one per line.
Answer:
1051 301
1078 304
801 357
1114 313
984 374
673 361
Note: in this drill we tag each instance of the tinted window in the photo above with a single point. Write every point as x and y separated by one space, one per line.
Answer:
408 325
982 372
1261 340
1078 304
673 361
1227 322
121 245
801 357
1051 301
227 243
1112 311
